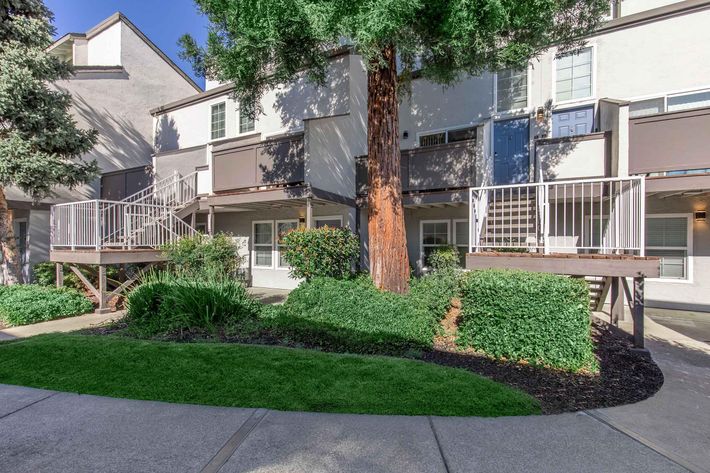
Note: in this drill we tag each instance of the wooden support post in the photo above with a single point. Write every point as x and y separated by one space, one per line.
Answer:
638 313
103 300
309 213
617 301
210 221
59 271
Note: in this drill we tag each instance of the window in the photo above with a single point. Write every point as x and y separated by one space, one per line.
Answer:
642 108
218 120
434 233
574 75
332 222
282 228
263 244
246 123
461 239
447 136
688 101
511 90
668 238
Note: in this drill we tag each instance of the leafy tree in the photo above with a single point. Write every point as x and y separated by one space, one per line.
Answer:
258 44
40 145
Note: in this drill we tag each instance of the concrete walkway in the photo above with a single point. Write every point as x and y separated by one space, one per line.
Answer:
44 431
68 324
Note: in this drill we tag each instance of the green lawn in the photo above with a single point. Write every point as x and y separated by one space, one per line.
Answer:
253 376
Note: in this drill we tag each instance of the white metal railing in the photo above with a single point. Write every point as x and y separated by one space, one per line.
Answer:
146 219
604 215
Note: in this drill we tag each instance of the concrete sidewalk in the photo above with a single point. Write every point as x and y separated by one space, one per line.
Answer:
44 431
68 324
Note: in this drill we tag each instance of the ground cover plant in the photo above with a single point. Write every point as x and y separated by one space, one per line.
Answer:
253 376
519 315
29 303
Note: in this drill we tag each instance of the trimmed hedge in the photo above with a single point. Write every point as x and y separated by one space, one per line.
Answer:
352 315
169 304
519 315
24 304
321 252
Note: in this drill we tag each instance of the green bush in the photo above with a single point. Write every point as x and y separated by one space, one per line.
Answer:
519 315
45 274
321 252
165 303
24 304
352 315
434 292
444 258
204 256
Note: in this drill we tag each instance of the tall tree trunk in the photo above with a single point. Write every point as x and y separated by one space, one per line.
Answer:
389 263
8 244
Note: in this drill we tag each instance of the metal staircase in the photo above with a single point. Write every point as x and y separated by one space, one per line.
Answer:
147 219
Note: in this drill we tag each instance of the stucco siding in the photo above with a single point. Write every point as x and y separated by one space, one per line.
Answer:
184 162
104 49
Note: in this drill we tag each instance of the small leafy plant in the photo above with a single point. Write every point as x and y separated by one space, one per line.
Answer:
204 256
444 258
321 252
24 304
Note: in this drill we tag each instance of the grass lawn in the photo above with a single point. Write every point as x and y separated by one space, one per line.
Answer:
253 376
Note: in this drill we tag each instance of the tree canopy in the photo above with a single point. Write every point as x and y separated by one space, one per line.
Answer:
261 43
40 144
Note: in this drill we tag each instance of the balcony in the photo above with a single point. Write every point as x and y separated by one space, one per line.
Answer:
252 163
575 157
673 141
447 166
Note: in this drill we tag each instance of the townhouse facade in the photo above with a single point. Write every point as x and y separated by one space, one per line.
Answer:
603 151
119 75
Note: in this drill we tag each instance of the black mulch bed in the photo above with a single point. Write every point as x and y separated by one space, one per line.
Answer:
624 377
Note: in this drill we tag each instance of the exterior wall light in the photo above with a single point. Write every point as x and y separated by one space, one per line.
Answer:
700 215
540 115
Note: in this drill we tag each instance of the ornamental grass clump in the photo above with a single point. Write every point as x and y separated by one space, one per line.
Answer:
541 318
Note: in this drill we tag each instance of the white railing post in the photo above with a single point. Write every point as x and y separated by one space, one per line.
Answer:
471 221
97 229
546 219
642 216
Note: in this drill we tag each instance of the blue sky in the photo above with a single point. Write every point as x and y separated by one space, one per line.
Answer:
163 21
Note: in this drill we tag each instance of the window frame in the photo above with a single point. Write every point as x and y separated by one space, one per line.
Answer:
422 259
224 121
278 246
473 126
327 217
688 250
593 89
514 111
254 245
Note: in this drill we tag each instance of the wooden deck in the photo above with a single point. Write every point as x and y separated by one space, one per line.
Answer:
106 256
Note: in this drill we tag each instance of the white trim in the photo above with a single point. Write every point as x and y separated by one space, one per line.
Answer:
660 95
497 114
254 244
327 217
210 139
582 100
447 221
277 247
689 249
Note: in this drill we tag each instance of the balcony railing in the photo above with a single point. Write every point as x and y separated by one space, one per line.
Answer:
586 215
439 167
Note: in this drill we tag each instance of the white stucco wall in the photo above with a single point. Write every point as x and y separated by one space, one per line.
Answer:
629 7
104 49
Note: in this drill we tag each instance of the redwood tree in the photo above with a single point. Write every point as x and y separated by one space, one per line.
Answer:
258 44
40 144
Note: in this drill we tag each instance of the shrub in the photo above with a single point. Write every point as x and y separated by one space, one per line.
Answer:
24 304
204 256
444 258
166 303
519 315
353 315
321 252
45 274
434 292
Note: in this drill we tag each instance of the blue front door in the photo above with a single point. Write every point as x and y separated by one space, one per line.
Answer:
577 121
511 157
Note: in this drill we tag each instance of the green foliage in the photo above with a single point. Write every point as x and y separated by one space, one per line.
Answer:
321 252
220 374
352 315
202 255
260 45
29 304
168 304
434 292
519 315
444 258
45 274
40 144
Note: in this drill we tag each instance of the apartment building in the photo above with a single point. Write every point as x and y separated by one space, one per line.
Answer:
119 75
601 151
